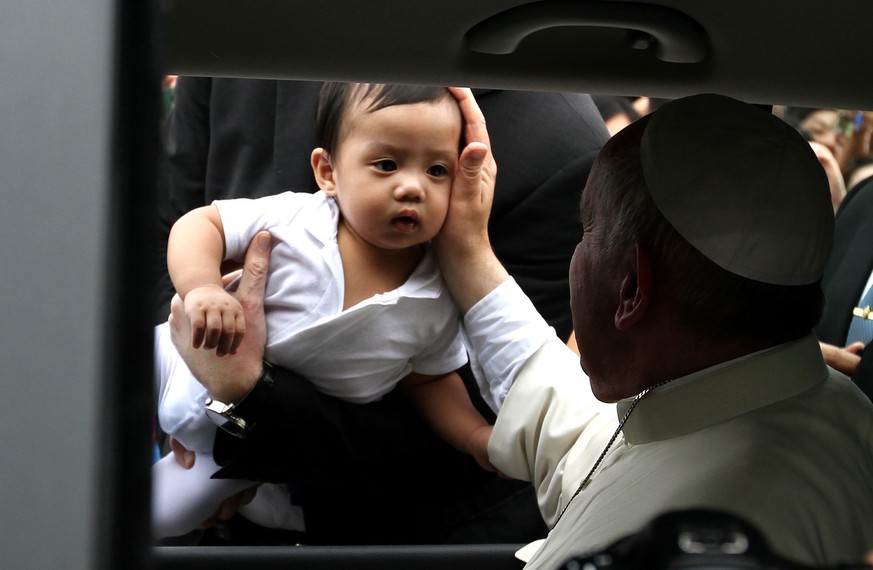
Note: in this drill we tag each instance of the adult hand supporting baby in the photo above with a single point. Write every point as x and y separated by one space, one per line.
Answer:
230 377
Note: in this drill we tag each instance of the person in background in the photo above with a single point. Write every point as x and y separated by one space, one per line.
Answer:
619 111
845 329
820 125
841 139
858 157
822 129
836 182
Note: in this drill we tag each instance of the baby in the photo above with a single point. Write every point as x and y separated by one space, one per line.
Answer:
354 300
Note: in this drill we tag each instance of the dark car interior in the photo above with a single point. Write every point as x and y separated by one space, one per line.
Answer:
774 52
87 80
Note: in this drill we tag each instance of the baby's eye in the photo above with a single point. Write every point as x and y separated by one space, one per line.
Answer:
437 170
385 165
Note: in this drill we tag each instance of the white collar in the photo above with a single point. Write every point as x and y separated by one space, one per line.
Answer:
725 391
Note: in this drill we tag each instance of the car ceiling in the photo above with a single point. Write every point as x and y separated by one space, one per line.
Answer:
763 51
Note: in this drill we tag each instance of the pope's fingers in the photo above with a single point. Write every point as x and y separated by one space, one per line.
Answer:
475 129
468 185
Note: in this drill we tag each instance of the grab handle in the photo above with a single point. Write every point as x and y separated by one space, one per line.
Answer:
677 38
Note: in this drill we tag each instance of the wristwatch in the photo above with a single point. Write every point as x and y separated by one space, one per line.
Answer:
238 419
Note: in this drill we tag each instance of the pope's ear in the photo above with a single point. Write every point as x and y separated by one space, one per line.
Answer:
322 168
636 289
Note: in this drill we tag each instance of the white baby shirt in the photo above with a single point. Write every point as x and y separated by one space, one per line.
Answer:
358 354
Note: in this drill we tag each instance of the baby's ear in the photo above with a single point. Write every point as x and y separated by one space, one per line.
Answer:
322 168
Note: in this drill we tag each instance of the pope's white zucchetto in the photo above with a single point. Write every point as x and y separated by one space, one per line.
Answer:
741 186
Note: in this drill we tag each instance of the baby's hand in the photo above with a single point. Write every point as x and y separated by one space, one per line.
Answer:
477 446
217 320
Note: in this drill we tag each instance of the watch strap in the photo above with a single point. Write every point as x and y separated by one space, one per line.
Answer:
241 418
249 407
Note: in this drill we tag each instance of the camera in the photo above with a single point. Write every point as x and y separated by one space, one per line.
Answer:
692 540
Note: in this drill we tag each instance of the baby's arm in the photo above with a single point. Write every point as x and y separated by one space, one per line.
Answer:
444 404
194 254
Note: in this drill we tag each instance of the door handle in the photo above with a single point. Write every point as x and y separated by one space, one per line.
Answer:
676 37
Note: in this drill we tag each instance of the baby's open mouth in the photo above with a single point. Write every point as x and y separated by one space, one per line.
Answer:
405 223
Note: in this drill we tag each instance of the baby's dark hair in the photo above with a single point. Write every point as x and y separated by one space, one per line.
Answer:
335 98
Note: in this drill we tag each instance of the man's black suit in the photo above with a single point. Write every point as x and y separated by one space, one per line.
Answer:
374 473
847 272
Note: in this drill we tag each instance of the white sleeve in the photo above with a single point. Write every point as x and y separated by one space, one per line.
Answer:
502 331
551 425
242 218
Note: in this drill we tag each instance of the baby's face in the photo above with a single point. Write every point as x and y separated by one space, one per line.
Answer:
393 170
